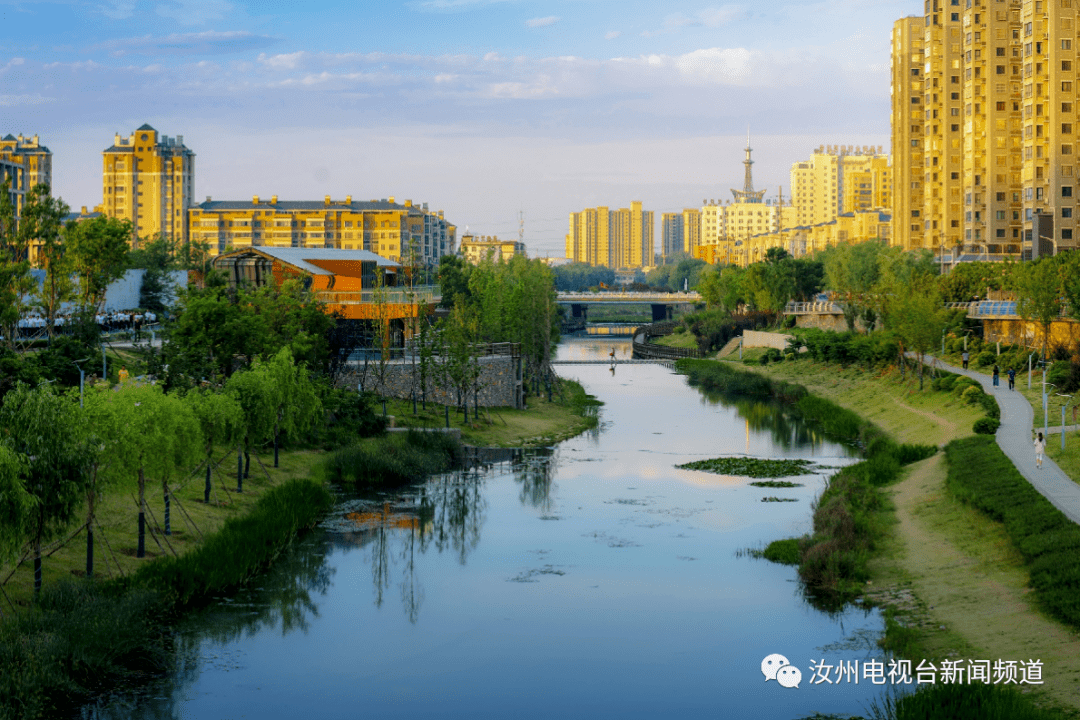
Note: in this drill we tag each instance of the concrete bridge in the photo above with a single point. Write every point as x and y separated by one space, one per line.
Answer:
661 303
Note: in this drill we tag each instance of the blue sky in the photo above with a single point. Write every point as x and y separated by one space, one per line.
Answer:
481 108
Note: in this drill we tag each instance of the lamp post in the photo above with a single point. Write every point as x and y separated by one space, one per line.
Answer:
1063 408
1045 399
82 378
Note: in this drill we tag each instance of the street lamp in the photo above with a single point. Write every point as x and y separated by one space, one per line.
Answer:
82 378
1063 407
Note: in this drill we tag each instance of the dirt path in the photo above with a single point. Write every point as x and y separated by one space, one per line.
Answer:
949 431
971 582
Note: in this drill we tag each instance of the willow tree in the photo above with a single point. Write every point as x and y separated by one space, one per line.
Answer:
257 397
43 427
222 421
41 225
16 283
159 435
1038 289
16 504
296 404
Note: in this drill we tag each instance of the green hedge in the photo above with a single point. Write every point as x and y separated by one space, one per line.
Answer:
981 475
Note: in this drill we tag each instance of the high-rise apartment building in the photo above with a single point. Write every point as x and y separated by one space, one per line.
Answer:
149 179
839 179
984 102
620 238
406 233
29 163
681 232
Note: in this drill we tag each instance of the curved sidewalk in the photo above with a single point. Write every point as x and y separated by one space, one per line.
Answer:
1016 438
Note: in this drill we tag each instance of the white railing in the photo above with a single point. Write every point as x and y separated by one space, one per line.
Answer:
806 308
688 297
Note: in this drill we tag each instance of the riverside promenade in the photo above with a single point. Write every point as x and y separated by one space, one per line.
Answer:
1016 438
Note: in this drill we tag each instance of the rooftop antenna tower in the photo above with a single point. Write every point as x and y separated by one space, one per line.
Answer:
521 226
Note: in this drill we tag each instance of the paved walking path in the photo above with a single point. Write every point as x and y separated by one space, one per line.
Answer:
1016 438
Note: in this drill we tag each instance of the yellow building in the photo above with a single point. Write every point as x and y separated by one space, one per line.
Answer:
681 232
406 233
149 179
620 238
805 240
26 163
989 117
838 179
477 247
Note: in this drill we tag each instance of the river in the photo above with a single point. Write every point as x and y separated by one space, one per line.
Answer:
591 580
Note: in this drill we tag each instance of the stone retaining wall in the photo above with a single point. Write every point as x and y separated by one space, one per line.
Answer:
500 383
756 338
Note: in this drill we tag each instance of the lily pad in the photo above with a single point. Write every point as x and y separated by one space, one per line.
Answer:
752 467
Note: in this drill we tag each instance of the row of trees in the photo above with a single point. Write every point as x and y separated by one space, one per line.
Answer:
94 252
58 454
495 302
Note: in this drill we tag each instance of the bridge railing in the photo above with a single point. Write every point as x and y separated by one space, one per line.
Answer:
687 297
390 296
644 348
806 308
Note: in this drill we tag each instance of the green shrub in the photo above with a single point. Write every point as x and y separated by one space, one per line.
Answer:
990 405
962 383
971 394
790 357
785 552
981 475
986 426
909 453
947 382
985 358
394 459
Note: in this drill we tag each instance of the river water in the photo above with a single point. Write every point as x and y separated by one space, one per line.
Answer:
591 580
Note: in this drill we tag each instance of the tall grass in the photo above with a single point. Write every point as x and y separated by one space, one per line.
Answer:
961 702
394 459
88 634
982 476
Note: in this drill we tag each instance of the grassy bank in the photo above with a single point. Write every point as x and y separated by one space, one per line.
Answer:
571 412
85 635
395 459
950 579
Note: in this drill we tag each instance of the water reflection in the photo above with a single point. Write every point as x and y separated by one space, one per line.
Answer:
787 428
446 514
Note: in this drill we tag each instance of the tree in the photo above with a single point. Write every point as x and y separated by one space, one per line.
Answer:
258 398
41 224
157 257
102 434
1038 289
296 403
454 274
43 427
852 272
918 316
16 283
221 419
16 504
159 435
98 249
710 287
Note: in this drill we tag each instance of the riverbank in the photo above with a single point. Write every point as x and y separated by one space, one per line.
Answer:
570 413
948 575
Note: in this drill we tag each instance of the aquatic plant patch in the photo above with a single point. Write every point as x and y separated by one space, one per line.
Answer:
753 467
776 484
778 499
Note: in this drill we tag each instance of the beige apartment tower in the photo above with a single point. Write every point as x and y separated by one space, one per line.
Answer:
620 238
840 179
149 179
984 105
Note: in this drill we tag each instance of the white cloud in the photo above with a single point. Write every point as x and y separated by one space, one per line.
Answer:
23 100
542 21
285 61
612 34
202 43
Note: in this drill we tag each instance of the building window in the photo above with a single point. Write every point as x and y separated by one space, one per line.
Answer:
1066 233
1066 212
1066 191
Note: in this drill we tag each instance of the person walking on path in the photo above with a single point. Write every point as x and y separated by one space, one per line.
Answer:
964 357
1040 448
997 374
1012 379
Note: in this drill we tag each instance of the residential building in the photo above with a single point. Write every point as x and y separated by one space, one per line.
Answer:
407 233
477 247
149 179
681 232
985 101
620 238
35 159
804 240
839 179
